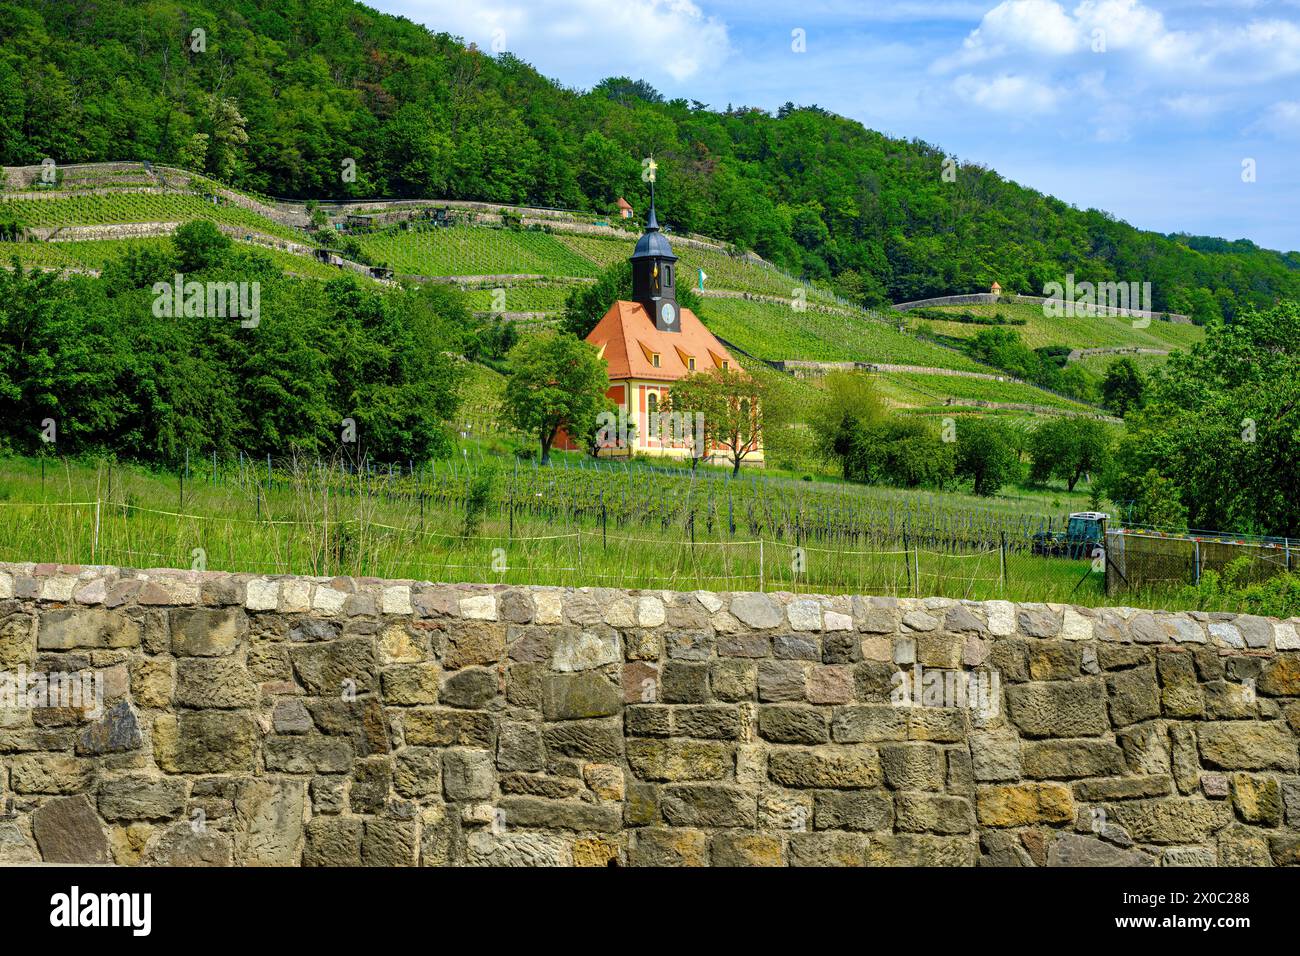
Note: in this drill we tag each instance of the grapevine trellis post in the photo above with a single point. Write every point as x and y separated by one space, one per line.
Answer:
1002 535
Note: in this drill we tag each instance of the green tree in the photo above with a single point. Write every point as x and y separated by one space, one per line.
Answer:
849 408
1222 423
556 382
1004 349
731 403
199 245
985 454
1068 448
1124 387
227 136
1159 503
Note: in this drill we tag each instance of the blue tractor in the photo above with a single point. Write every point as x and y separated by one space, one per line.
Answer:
1084 531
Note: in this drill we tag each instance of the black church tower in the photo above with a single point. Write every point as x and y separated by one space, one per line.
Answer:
654 280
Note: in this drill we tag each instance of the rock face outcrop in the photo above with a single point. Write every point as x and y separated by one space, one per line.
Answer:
186 718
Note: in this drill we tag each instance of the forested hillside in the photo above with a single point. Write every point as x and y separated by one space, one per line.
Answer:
275 96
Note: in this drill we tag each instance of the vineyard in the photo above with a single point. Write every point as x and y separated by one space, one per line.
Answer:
73 255
776 332
768 328
107 208
94 254
520 297
1078 331
624 526
471 251
929 389
616 526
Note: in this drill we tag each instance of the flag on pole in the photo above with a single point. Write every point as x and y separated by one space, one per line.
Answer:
703 276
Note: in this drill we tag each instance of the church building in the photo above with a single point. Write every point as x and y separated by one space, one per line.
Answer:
651 342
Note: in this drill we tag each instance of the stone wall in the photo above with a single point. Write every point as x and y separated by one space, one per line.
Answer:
255 720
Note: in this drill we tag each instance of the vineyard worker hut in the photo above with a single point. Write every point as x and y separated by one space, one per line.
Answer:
651 342
625 209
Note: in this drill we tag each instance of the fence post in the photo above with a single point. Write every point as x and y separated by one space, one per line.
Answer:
94 544
760 564
1003 548
907 559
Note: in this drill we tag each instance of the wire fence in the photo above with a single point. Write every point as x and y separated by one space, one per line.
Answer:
1139 559
116 532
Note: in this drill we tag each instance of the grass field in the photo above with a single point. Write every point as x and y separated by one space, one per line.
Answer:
1099 363
1076 332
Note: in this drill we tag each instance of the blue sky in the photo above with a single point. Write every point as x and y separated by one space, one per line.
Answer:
1149 109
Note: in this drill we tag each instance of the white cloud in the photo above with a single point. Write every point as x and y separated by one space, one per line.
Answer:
1282 119
1195 105
654 39
1143 58
1007 93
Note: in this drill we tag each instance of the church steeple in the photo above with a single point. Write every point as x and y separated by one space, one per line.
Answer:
654 284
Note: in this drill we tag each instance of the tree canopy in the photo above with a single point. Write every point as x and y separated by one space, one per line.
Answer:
1221 425
279 98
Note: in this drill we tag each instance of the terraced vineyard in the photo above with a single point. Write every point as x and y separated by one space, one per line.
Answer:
776 332
915 388
132 207
521 297
472 251
1099 363
72 255
770 330
92 255
1076 332
733 273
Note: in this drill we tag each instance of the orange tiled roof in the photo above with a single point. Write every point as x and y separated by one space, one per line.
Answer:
627 339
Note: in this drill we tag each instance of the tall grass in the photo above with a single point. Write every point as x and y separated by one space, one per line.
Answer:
330 518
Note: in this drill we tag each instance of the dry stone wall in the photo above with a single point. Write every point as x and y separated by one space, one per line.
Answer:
236 719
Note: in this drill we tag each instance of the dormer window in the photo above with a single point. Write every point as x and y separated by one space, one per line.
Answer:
725 365
654 359
690 363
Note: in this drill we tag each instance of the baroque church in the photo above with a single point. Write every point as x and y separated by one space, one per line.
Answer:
651 342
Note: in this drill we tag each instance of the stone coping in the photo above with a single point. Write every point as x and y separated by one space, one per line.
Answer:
729 612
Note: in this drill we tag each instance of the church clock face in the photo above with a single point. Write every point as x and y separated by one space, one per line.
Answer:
669 313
